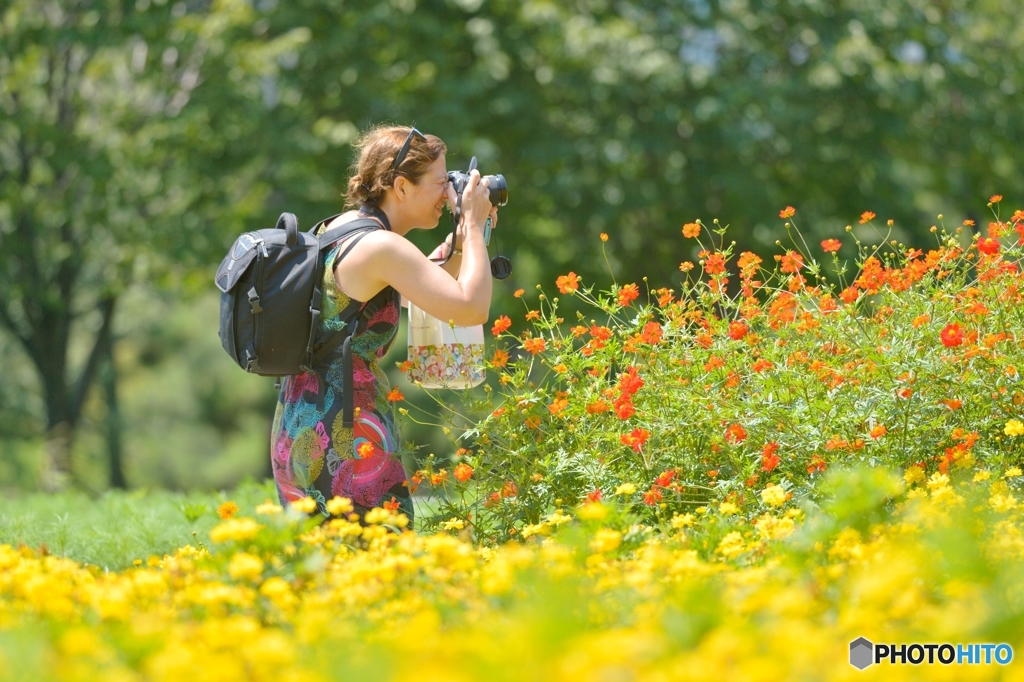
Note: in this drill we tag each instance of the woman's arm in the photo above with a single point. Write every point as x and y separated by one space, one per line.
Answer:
454 263
385 258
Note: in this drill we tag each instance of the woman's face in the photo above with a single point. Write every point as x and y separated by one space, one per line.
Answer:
425 200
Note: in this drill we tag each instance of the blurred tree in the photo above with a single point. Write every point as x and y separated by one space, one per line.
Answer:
110 168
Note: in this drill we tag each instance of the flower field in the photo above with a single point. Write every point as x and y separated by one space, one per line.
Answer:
734 480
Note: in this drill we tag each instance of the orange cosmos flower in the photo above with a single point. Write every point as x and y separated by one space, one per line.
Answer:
500 325
665 478
735 434
227 510
567 283
534 346
691 230
462 472
738 329
395 395
630 382
500 358
769 460
866 217
791 263
762 365
597 407
519 293
533 315
878 431
392 504
558 406
995 198
532 422
988 246
953 404
787 212
952 335
628 294
636 438
405 366
817 463
652 497
624 407
831 245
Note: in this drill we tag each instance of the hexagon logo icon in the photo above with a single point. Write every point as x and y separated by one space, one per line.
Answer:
861 653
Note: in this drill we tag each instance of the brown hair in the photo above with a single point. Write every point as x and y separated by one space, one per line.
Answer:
372 174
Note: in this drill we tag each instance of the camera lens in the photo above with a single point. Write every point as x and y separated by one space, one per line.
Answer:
498 188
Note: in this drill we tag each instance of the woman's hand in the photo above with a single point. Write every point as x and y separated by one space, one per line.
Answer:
475 203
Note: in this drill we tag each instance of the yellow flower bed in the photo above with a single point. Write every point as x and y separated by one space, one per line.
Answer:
711 596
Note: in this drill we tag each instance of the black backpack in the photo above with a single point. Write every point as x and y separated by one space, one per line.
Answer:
271 296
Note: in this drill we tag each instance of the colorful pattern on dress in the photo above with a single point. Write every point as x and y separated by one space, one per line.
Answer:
312 453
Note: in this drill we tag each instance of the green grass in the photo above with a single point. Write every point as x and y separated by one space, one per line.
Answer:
113 530
117 528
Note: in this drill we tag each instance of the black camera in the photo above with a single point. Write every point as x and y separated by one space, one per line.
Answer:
495 183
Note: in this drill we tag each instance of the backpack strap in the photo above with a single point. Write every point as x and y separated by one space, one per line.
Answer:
356 315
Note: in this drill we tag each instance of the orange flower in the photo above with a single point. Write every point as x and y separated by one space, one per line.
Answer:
567 283
691 230
533 315
395 395
762 365
227 510
595 495
519 293
995 198
636 438
439 478
462 472
665 478
534 346
988 246
651 333
500 358
953 404
831 245
405 366
624 407
509 489
769 460
735 434
597 407
652 497
787 212
791 263
866 217
849 295
630 382
365 450
878 431
532 422
952 335
920 320
604 236
628 294
392 504
817 464
686 266
558 406
737 330
501 324
714 264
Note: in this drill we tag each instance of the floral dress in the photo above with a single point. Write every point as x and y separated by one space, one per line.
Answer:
312 453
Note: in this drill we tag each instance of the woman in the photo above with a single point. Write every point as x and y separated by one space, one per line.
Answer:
400 179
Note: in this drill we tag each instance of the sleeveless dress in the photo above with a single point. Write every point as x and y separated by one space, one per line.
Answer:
311 452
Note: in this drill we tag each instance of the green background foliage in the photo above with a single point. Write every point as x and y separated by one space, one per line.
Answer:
137 138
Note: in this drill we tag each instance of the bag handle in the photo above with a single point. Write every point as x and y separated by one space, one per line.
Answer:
289 223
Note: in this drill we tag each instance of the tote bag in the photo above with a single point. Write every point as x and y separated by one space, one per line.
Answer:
442 355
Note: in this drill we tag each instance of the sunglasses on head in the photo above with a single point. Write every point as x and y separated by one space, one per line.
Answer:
400 156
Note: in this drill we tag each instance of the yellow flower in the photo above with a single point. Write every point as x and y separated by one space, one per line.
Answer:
680 521
774 495
245 566
307 505
982 476
728 508
268 508
234 529
1012 472
592 511
453 524
731 545
605 540
625 489
1003 503
1014 428
339 506
913 475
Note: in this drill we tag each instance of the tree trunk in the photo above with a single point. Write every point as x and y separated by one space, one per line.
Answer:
115 448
